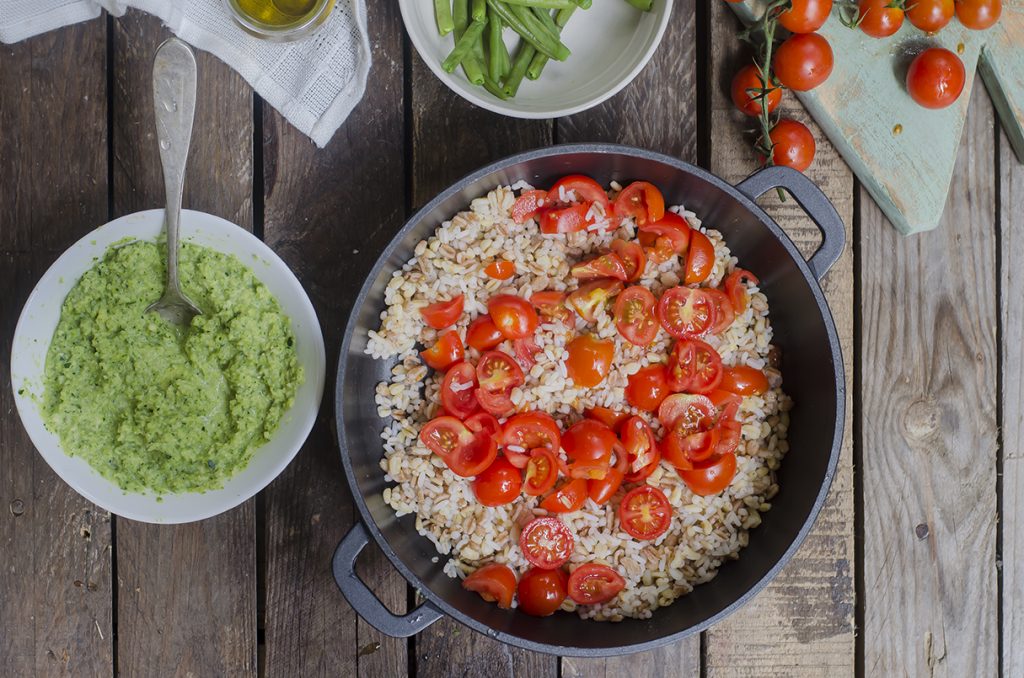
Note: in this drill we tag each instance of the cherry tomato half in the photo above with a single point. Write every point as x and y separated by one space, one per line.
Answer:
541 472
591 297
608 265
700 259
541 592
641 449
647 388
443 313
645 513
497 372
527 205
529 430
930 15
878 19
632 256
526 348
568 498
805 16
686 312
466 453
512 315
804 61
609 417
635 315
589 445
486 422
792 144
550 304
737 291
592 583
579 188
935 78
670 235
498 484
483 334
600 490
500 270
445 352
748 91
495 582
744 380
695 412
642 201
682 447
712 476
978 14
694 367
458 390
724 314
590 360
546 542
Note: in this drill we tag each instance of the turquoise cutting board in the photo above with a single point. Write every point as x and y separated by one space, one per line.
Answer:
902 153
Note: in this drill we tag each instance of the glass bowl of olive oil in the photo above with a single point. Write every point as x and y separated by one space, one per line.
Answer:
280 20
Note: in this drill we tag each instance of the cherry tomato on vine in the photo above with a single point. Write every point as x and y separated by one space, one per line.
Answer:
496 583
930 15
935 78
792 145
747 88
878 18
803 61
978 14
805 16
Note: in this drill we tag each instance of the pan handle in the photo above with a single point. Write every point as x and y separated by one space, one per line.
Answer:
362 599
815 203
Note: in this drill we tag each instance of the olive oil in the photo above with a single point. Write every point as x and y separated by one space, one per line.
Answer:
280 19
277 12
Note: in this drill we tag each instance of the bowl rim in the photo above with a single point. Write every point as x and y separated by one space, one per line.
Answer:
301 301
835 350
502 108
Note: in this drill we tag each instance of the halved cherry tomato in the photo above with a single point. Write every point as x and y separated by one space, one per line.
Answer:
457 390
541 592
466 453
568 498
647 388
443 313
483 334
695 412
724 313
517 459
530 430
497 372
592 583
608 417
485 422
632 255
526 348
500 270
446 351
711 476
600 490
551 306
645 513
527 205
694 367
546 542
700 259
571 219
498 484
635 315
495 582
591 297
744 380
605 266
497 403
642 201
590 360
669 235
686 312
729 431
737 291
541 472
589 445
579 188
683 447
642 452
512 315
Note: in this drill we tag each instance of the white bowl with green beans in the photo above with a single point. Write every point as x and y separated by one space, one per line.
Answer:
536 58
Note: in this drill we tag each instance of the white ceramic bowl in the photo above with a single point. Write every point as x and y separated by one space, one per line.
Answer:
39 320
610 43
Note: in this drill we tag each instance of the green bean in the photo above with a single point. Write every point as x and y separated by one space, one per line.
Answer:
494 88
464 46
644 5
546 4
443 14
498 62
544 16
542 43
479 12
460 16
533 24
540 60
519 66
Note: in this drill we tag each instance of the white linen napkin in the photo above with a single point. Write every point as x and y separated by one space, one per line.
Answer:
314 83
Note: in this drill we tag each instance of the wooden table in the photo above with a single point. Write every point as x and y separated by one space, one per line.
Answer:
920 546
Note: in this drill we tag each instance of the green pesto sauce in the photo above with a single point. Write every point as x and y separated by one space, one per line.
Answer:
160 409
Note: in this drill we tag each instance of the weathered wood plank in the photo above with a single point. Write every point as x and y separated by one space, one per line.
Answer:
802 624
55 582
659 111
187 594
1011 284
929 358
451 137
329 213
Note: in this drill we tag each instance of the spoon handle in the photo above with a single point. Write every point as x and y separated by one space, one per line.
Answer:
174 101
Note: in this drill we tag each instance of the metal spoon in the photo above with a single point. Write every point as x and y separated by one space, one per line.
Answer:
174 100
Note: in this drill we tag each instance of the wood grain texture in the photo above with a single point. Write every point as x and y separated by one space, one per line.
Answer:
187 594
1011 284
329 214
670 126
451 137
801 624
929 360
55 567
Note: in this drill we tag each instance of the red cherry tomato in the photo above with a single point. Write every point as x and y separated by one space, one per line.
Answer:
737 291
546 542
792 144
531 430
686 312
642 201
568 498
485 422
497 403
443 313
878 19
541 472
694 366
527 205
642 452
526 349
930 15
500 270
570 219
682 447
668 236
978 14
711 476
935 78
483 334
541 592
590 360
512 315
589 445
608 417
605 266
445 352
805 16
647 388
700 258
499 484
632 256
694 412
498 372
600 490
747 91
466 453
496 583
579 188
458 390
591 297
803 61
645 513
551 306
593 583
744 380
724 314
635 315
